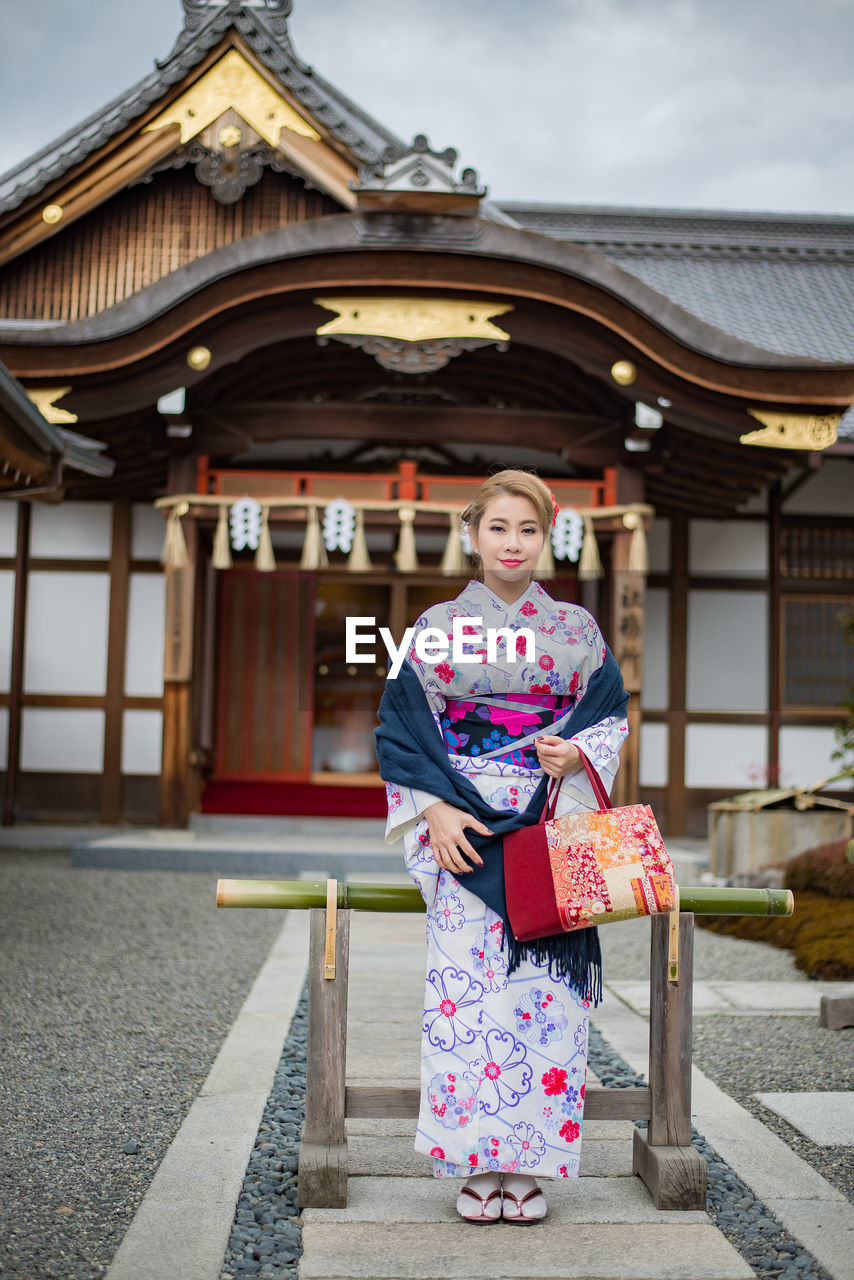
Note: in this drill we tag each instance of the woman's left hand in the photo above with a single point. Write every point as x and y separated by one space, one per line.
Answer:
557 756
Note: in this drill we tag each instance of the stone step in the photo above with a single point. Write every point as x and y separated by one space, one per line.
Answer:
585 1199
349 1250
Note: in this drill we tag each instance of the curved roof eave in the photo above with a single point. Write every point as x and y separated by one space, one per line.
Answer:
344 233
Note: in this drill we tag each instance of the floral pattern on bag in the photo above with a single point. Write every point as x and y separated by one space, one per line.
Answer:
609 865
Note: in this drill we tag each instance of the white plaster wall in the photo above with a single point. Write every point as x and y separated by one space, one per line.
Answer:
725 755
148 530
805 753
828 492
142 739
658 543
737 547
8 528
60 740
4 737
66 633
7 600
72 531
656 650
145 635
727 651
653 755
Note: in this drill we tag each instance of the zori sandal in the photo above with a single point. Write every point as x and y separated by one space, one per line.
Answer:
480 1198
525 1204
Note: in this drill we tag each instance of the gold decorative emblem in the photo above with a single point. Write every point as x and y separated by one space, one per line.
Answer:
623 372
199 358
230 135
414 319
233 82
793 430
52 213
44 398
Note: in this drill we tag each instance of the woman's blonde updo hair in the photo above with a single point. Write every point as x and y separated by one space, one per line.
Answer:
519 484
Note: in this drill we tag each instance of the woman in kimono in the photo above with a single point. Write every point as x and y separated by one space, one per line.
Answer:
504 1036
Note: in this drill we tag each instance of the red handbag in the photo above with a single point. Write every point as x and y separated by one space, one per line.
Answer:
586 868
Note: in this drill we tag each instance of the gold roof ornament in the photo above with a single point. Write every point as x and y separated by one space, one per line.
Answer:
793 430
413 335
199 358
414 319
623 372
233 82
45 398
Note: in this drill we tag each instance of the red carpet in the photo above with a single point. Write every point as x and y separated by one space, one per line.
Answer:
294 799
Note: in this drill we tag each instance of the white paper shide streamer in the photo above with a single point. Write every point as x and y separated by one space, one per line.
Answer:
567 535
339 525
245 523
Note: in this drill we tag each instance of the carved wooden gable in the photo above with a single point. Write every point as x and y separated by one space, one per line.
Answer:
230 136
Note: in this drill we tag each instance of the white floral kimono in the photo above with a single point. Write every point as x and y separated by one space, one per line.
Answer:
503 1058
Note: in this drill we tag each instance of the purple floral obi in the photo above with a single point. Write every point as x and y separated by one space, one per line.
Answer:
475 727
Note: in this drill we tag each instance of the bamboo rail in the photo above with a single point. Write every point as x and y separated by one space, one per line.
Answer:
305 894
673 1171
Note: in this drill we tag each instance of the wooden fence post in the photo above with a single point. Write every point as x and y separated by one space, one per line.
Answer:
672 1169
323 1149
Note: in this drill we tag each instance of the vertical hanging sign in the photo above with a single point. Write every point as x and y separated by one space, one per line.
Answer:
178 654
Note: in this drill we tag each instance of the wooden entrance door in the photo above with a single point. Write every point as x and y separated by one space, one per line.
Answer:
265 685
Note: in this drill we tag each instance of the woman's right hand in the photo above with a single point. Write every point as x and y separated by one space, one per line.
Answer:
447 837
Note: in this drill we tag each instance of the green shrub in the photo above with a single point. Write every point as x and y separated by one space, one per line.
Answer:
824 869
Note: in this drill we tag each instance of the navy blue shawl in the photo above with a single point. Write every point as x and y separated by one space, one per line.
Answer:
411 753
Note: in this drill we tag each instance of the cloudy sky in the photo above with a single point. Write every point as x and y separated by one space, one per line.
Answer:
729 104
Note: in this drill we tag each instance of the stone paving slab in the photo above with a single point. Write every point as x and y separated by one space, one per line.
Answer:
569 1251
386 1065
826 1229
588 1199
752 998
825 1118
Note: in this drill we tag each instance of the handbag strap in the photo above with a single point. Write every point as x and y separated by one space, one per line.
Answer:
602 797
551 800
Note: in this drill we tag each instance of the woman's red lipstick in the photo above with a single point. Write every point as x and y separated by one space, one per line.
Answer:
511 564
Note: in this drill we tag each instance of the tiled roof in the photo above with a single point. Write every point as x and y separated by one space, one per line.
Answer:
267 35
780 281
784 282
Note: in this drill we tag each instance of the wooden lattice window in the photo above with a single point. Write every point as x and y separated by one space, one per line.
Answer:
817 551
817 659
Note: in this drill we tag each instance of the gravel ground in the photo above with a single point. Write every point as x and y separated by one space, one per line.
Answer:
744 1056
266 1237
117 989
625 956
786 1054
761 1240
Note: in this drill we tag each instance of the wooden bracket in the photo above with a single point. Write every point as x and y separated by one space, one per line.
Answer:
331 928
673 942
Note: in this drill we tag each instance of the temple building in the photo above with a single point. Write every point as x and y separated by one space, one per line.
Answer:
260 350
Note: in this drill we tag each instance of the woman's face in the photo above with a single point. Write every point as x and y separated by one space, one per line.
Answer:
509 540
